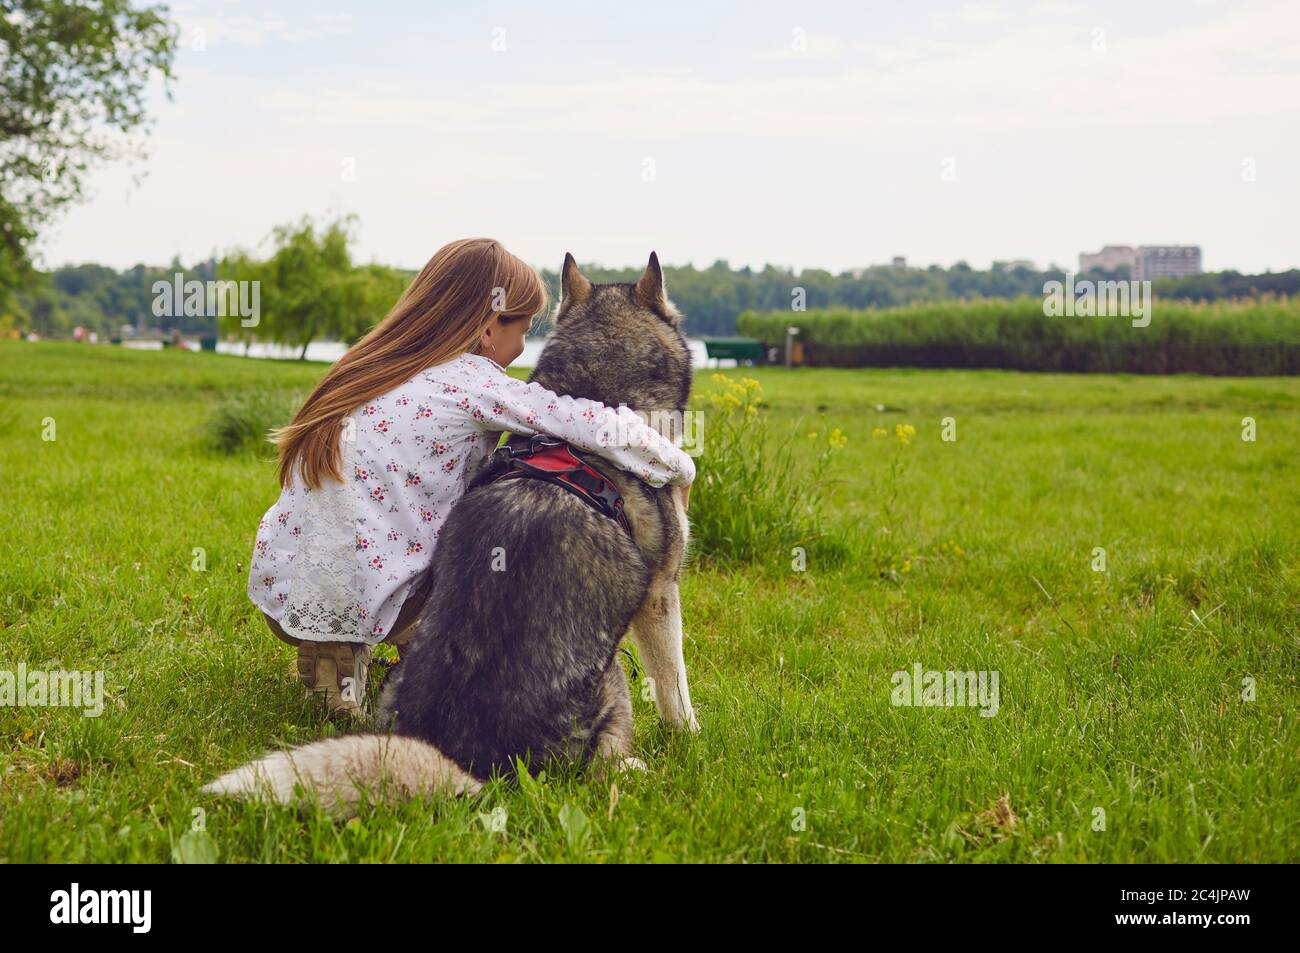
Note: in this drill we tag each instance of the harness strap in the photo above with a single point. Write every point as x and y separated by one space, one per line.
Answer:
547 458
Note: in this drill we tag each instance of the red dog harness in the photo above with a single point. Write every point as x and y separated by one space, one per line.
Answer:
552 460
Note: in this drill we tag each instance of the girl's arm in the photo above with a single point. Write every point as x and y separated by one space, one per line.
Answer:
618 435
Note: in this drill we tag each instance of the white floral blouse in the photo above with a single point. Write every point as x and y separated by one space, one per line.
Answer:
334 564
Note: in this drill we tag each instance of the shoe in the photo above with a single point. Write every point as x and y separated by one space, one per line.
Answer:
336 673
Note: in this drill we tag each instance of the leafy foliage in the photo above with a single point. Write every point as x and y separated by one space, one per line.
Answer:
96 297
712 298
1001 322
310 289
755 497
73 79
241 423
1240 337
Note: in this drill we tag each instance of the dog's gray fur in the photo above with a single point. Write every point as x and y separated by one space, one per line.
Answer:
522 663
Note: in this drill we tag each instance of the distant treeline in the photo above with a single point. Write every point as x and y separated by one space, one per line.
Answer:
713 298
1259 336
102 299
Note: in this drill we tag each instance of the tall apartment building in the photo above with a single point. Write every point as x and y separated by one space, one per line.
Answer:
1167 261
1146 262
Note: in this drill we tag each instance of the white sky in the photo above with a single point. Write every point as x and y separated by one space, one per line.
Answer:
831 155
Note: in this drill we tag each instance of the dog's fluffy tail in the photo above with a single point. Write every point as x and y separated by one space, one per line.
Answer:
338 772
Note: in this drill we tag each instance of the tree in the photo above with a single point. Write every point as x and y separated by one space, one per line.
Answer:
369 293
304 299
241 266
309 288
73 84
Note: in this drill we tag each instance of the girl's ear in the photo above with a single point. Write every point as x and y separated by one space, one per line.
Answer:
574 286
485 338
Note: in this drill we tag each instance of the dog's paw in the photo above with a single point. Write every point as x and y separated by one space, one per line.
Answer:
632 764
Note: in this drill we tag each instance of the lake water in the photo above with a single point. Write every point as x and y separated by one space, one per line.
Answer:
331 351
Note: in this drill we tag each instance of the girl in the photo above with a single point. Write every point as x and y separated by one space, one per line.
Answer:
385 445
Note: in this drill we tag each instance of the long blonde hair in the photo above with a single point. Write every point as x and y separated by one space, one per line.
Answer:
466 286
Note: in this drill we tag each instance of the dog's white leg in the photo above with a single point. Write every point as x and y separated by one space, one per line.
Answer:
657 631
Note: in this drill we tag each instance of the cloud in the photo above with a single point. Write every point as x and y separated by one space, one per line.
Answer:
198 32
464 140
809 46
1039 76
1054 8
980 13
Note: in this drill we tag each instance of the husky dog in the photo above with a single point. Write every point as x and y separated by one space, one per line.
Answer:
522 663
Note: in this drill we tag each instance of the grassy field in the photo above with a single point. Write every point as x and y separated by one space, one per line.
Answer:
1161 691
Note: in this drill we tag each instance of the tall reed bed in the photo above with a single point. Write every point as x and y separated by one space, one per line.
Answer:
1257 336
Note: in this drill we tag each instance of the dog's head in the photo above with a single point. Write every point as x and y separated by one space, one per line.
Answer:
617 343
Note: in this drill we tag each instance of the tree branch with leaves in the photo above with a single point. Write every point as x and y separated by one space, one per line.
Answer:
75 80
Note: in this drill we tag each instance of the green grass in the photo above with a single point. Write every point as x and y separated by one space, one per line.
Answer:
1113 694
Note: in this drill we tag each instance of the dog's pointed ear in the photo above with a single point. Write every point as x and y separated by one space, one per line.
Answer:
574 286
650 286
652 292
